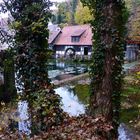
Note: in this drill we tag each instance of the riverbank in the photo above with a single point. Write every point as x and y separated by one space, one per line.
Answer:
86 127
68 79
130 113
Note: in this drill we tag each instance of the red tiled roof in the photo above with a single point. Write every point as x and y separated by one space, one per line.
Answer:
53 35
78 32
65 37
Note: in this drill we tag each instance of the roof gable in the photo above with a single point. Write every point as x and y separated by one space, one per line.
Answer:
53 35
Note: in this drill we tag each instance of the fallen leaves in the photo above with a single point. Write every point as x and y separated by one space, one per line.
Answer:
78 128
72 128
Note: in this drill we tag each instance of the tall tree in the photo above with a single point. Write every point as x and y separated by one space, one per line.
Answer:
134 19
74 6
30 25
8 89
66 12
82 14
108 53
63 9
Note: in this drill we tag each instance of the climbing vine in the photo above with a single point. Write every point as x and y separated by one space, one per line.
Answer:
30 25
107 59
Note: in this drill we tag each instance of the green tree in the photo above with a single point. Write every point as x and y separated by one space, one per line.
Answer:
30 25
8 89
82 14
108 47
134 19
74 4
66 12
63 9
31 46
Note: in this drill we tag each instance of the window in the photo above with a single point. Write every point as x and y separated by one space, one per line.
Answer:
75 39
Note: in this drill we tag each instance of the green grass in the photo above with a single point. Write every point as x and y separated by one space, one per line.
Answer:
83 93
130 96
130 89
128 115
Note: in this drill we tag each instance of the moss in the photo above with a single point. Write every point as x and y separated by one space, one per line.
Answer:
83 92
129 114
130 96
1 91
130 89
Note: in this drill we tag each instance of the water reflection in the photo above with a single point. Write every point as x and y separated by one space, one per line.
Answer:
24 123
74 107
129 66
125 133
57 68
70 101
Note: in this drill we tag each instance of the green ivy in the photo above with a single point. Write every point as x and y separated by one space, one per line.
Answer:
30 23
45 109
108 42
31 45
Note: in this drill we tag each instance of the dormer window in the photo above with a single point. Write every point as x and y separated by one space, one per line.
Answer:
75 36
75 39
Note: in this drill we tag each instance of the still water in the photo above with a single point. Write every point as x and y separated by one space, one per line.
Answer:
24 121
57 68
71 103
70 100
73 106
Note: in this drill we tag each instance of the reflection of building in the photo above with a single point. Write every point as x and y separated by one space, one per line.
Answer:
72 41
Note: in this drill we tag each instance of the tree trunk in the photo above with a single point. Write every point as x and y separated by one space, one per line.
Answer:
107 59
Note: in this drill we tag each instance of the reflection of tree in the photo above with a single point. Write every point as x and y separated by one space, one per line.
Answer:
7 59
82 92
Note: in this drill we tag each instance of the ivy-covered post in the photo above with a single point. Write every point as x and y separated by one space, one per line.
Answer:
107 60
9 77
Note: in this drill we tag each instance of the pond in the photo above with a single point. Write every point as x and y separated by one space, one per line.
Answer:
74 105
24 122
70 101
58 68
130 66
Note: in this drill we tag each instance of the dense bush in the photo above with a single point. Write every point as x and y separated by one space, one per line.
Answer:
45 108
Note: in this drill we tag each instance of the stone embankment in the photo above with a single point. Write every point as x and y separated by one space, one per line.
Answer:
72 79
